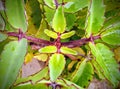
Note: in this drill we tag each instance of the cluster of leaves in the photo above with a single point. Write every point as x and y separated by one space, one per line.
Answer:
77 47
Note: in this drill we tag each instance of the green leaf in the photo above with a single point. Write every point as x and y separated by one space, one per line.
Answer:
75 5
70 20
40 33
83 74
112 23
112 13
49 13
105 59
2 23
28 85
40 1
81 20
48 49
95 17
50 3
8 27
112 5
15 14
97 67
45 84
56 66
2 44
111 37
67 35
11 61
34 78
59 22
67 84
35 11
51 33
67 50
2 37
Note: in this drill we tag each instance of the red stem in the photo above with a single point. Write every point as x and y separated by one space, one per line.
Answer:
42 43
77 43
30 38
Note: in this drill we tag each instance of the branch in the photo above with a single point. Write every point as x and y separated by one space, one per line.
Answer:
41 43
77 43
37 41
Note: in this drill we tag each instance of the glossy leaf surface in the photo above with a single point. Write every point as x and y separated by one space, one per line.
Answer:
48 49
59 22
75 5
67 35
15 13
111 37
95 17
51 33
11 61
83 74
105 59
56 66
41 57
112 23
67 50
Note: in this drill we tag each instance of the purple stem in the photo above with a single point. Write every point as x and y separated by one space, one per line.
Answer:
40 42
80 42
30 38
56 3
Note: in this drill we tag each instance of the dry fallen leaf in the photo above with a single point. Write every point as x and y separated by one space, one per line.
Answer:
32 67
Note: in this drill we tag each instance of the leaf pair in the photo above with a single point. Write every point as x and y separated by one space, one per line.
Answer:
57 60
53 49
54 35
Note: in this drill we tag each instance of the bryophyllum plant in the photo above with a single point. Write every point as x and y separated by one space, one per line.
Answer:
74 38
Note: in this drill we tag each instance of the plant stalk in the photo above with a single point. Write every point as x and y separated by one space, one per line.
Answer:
40 42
